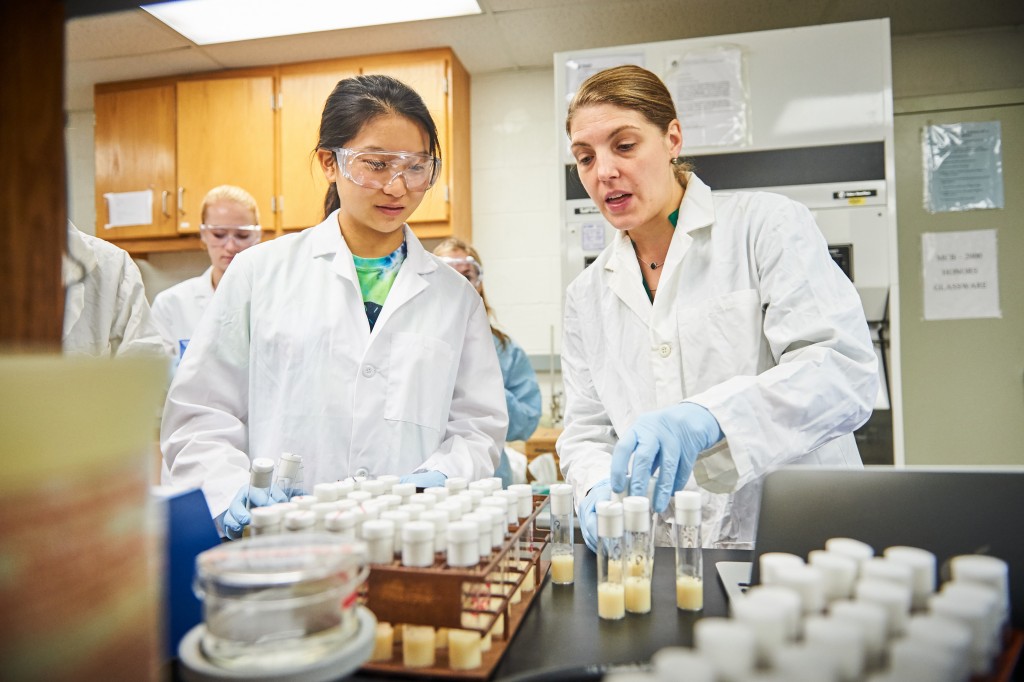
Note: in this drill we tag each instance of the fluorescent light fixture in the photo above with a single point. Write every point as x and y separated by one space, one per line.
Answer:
206 22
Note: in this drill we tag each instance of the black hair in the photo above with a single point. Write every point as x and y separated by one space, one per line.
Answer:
356 101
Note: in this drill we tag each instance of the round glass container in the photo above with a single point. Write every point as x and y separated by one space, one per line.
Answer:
278 601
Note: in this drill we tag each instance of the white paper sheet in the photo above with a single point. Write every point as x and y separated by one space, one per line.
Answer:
129 208
961 275
710 96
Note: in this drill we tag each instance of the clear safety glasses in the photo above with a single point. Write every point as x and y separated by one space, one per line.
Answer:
468 267
241 235
375 169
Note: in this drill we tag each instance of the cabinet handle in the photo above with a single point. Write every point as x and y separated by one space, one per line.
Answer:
163 203
181 200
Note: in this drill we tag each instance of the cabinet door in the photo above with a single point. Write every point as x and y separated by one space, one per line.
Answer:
225 137
304 89
135 152
427 75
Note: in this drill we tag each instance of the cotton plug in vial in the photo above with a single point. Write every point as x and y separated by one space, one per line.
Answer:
561 539
261 478
289 474
611 595
636 513
689 565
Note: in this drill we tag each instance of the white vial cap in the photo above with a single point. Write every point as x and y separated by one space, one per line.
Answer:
855 549
340 521
451 507
322 509
463 531
670 661
266 516
439 493
299 520
922 563
688 505
344 487
389 481
456 483
377 529
325 492
482 484
436 517
524 498
373 486
304 501
636 513
561 499
413 510
289 465
494 482
403 490
417 531
609 519
360 495
424 500
261 472
390 500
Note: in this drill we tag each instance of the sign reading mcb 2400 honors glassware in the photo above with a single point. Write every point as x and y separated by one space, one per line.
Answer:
961 275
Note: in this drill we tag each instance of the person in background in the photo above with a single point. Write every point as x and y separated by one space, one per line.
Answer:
712 341
105 308
346 343
230 224
522 393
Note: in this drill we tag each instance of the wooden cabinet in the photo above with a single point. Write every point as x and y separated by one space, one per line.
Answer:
258 129
134 142
225 136
304 89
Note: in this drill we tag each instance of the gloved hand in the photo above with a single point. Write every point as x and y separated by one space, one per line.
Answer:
237 515
425 479
588 512
668 439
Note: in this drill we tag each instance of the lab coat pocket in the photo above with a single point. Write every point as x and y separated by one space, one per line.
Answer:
419 387
723 338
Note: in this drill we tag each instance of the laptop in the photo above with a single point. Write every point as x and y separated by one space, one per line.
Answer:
947 511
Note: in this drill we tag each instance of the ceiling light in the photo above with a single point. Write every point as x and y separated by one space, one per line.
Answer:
206 22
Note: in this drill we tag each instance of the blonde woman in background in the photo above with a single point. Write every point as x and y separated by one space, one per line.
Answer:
230 224
522 393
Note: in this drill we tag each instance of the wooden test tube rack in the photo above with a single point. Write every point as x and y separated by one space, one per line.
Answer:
440 595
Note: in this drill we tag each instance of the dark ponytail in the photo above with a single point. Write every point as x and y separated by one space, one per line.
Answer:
356 101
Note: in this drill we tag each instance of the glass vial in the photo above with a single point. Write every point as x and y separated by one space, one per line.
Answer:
611 595
289 474
636 513
561 534
261 478
689 565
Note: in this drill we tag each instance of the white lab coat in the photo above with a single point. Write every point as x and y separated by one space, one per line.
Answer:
179 308
752 320
105 309
284 361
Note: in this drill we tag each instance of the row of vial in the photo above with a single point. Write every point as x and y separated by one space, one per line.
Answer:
459 524
423 646
846 615
625 551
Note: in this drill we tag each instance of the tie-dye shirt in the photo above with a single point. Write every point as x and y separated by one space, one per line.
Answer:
376 276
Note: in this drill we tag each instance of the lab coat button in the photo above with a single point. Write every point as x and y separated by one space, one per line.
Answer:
361 472
665 350
368 371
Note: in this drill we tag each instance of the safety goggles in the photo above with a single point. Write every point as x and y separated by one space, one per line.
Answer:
468 267
242 235
376 169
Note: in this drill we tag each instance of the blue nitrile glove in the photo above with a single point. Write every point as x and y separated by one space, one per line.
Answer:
668 439
588 512
425 479
237 515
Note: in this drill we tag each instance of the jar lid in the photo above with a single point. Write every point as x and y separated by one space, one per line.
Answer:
299 519
636 511
266 516
376 529
262 465
609 519
688 504
340 520
463 531
561 499
417 531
